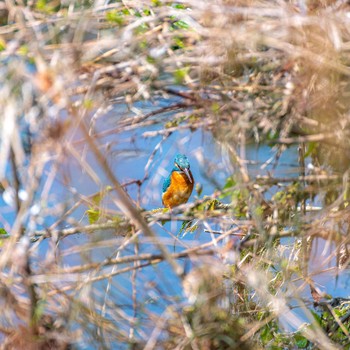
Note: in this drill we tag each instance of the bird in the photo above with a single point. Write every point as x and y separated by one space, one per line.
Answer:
178 186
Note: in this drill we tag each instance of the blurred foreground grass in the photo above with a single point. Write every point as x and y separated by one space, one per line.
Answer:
272 73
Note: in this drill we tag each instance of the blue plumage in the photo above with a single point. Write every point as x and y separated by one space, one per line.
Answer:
166 182
181 162
178 186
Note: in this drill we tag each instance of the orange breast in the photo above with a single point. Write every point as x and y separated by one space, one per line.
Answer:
179 191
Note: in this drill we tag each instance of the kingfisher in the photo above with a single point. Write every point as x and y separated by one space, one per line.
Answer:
178 186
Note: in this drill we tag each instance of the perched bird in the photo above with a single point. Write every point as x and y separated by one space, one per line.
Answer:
178 186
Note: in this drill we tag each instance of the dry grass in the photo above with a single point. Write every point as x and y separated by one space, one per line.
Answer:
247 72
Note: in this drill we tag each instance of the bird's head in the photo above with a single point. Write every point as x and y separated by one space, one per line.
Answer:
182 163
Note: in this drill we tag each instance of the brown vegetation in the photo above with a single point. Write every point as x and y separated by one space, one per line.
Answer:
76 268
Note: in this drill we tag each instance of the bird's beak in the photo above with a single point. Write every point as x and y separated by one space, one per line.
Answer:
187 172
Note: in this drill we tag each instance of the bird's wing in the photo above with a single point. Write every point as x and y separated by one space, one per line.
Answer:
166 183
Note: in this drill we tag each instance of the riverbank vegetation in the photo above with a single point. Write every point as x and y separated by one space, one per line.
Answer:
259 262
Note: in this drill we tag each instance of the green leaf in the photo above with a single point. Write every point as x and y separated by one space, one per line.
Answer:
93 215
301 341
178 43
2 44
45 6
175 122
156 3
150 60
211 205
259 211
88 103
159 210
215 107
40 4
310 149
266 335
125 11
179 6
143 45
97 198
23 50
164 210
272 135
180 74
180 25
230 182
115 17
199 189
187 227
141 29
3 231
39 311
317 317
